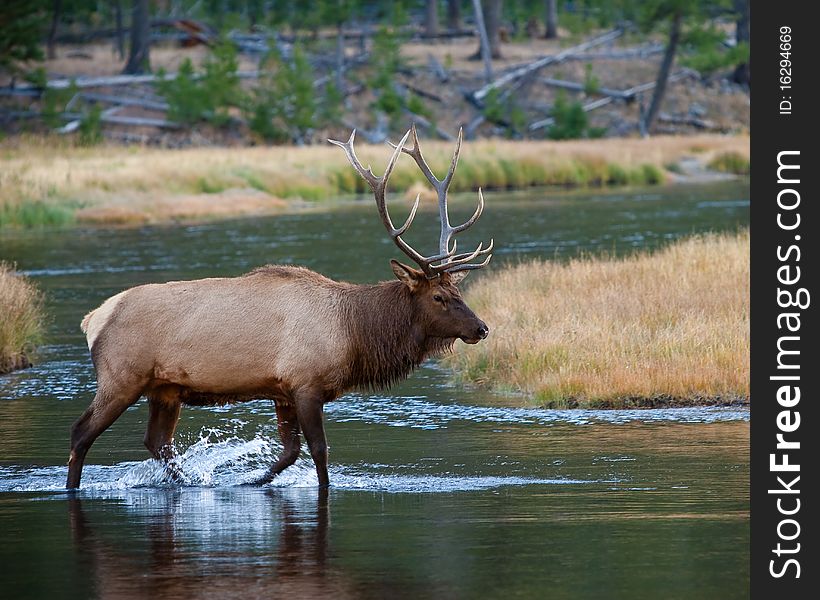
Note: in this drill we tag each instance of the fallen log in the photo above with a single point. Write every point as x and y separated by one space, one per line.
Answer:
587 107
124 101
423 93
438 69
625 54
111 81
140 122
479 95
580 87
627 95
472 126
688 120
445 135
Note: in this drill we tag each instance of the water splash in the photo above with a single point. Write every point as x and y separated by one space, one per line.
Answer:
221 458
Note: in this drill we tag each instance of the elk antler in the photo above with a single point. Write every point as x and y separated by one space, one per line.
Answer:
446 260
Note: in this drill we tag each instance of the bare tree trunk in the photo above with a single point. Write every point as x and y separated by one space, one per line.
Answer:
340 56
743 72
453 14
139 59
431 19
120 31
483 41
492 15
552 20
51 50
663 73
491 10
255 11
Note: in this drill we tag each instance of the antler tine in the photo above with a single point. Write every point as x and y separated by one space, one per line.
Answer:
410 218
469 222
462 259
454 163
367 173
380 189
472 267
415 152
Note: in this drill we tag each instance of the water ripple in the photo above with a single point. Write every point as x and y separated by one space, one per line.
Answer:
419 413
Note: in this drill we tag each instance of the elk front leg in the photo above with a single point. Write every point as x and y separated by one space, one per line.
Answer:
309 413
106 407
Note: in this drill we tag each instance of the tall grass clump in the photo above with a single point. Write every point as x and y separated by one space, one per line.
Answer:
671 327
731 162
29 215
21 325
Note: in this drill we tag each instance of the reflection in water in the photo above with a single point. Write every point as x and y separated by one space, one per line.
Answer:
205 543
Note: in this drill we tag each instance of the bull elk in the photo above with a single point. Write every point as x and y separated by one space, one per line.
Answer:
282 333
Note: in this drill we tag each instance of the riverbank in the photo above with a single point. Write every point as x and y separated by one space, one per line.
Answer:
47 182
663 329
21 327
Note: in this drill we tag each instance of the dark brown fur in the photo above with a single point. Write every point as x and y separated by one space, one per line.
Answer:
387 337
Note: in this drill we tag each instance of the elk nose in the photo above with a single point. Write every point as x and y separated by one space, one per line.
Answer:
483 331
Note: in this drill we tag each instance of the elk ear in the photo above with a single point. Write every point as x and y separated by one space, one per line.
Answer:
457 277
407 275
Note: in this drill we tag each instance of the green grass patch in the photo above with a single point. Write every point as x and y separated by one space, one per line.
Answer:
617 175
253 179
206 185
30 215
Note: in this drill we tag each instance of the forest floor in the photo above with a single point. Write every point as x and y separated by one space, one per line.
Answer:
692 103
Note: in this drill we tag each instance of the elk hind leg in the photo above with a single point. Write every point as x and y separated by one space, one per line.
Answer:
163 415
289 434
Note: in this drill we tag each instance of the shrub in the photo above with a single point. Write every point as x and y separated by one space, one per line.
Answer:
91 127
208 96
731 162
283 107
504 111
54 103
571 121
592 85
21 327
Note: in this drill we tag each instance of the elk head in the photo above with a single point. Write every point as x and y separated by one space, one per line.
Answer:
438 302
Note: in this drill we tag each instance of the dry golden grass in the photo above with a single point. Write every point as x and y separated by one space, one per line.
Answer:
138 184
669 327
21 325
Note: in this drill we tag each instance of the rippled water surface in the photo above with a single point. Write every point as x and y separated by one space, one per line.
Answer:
437 491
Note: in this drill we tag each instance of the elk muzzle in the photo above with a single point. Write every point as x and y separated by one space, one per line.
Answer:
481 333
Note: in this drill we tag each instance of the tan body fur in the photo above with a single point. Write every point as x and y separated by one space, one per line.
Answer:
252 345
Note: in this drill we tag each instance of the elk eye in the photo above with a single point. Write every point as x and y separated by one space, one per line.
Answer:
438 298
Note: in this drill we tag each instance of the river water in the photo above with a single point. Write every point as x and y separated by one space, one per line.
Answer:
437 491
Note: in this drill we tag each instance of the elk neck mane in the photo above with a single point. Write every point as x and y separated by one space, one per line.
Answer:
386 338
